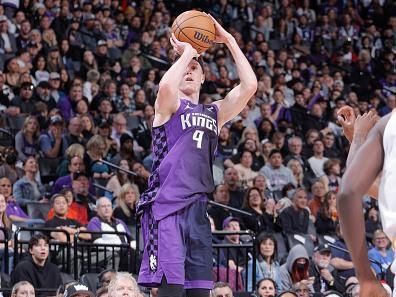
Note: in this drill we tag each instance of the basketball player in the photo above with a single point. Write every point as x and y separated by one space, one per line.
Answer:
177 255
375 154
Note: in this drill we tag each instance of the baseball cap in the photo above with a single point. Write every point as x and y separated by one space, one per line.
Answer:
44 84
323 247
54 75
229 220
104 124
102 42
78 289
56 119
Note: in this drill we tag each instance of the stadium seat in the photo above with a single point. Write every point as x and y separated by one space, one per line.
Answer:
48 168
304 239
282 251
37 210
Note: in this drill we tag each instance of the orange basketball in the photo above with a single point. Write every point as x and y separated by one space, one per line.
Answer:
196 28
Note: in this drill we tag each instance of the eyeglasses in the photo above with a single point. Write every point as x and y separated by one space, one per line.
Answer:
28 88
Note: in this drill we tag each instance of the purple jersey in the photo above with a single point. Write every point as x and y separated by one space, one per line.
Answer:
183 150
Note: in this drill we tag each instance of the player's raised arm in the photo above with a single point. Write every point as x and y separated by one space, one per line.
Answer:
238 97
360 174
168 101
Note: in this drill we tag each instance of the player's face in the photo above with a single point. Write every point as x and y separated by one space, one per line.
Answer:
192 79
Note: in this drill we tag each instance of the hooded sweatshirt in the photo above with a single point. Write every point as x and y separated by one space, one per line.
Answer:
285 280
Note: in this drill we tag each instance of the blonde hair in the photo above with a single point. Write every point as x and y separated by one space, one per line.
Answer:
75 149
95 143
121 197
17 286
25 123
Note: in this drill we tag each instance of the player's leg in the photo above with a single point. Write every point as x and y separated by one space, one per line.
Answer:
199 262
198 293
169 290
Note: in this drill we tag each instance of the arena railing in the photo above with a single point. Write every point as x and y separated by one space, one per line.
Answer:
6 253
60 252
93 257
245 250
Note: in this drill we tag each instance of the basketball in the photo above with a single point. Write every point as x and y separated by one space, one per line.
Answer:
196 28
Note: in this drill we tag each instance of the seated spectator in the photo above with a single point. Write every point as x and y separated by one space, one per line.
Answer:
126 151
25 101
221 289
78 290
295 269
71 151
96 149
27 140
327 217
332 179
267 266
318 193
266 287
317 161
372 221
340 258
23 289
8 168
234 258
277 174
123 284
381 253
254 203
295 219
37 269
298 172
44 95
51 143
326 277
75 210
75 165
120 178
244 168
27 188
236 192
74 132
126 204
105 277
218 213
60 221
6 224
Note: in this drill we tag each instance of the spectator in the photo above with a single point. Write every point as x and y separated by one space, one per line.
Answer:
266 287
126 204
27 140
267 265
327 217
277 174
318 193
221 289
295 269
295 219
317 161
28 189
326 277
51 143
74 131
231 179
120 178
37 269
331 179
61 221
75 165
254 203
218 213
381 253
24 102
340 257
123 284
234 258
105 277
244 168
23 288
78 290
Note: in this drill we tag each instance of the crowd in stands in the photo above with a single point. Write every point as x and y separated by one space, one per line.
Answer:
78 82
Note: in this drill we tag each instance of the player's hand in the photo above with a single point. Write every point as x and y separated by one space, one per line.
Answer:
222 36
372 289
180 46
346 117
364 123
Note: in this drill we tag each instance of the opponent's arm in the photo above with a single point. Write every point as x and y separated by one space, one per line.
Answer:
238 97
167 101
357 179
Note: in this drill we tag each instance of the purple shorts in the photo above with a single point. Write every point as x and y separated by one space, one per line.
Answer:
178 247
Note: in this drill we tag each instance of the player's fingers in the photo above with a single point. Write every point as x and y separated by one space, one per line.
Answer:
341 120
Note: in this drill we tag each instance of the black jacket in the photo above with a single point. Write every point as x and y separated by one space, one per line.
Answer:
337 285
41 277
